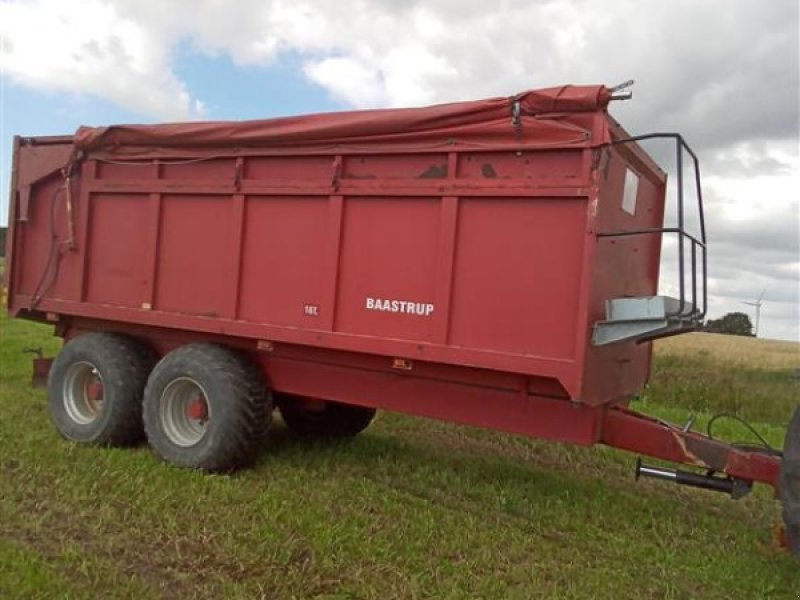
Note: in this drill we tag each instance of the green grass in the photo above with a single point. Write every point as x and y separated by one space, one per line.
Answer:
756 379
412 508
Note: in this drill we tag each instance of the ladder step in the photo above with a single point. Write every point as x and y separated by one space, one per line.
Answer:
645 318
647 307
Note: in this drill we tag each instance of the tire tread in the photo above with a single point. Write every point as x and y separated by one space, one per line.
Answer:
248 409
126 363
789 486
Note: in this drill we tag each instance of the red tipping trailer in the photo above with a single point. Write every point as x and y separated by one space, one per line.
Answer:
493 263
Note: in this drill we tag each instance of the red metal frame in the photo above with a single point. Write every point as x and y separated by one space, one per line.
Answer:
629 430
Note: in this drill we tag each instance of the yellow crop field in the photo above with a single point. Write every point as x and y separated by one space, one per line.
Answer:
733 350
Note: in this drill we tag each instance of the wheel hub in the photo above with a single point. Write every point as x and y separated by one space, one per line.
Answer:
94 390
184 411
198 409
83 392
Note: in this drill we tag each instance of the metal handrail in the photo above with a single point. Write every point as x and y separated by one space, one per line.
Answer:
680 147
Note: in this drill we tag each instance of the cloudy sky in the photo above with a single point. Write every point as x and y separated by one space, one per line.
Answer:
723 73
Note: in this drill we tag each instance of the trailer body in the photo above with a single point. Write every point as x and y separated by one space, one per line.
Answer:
468 266
493 263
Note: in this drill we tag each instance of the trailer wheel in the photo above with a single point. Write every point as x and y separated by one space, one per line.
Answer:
206 407
789 486
95 387
312 417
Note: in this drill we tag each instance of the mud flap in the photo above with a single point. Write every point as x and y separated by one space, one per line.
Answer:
789 488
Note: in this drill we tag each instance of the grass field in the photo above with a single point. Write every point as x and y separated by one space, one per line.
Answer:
410 509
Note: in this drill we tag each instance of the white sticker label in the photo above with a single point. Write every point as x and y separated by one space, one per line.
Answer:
630 191
406 307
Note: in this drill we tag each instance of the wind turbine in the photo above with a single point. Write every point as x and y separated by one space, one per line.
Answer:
757 304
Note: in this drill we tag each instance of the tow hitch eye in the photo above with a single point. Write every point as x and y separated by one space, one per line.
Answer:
737 488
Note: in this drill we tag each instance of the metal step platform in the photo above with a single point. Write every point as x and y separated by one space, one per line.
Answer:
642 319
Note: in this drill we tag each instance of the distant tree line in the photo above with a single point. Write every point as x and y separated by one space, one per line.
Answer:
735 323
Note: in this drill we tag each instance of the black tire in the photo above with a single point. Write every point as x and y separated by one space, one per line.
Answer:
323 418
96 385
789 486
227 430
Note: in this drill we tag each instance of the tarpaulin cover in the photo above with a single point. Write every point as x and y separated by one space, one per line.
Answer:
553 116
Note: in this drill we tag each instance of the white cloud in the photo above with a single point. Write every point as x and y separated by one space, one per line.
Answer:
348 79
693 62
89 47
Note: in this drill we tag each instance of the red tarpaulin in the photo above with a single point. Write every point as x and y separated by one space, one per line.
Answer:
547 116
